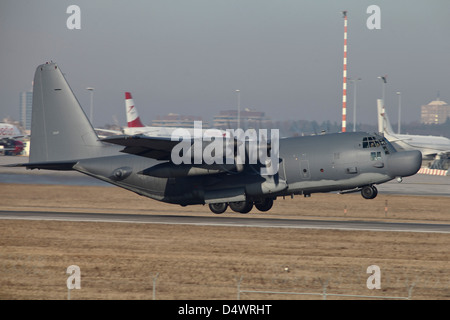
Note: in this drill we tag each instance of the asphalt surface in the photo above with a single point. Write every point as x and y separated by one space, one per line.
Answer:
227 221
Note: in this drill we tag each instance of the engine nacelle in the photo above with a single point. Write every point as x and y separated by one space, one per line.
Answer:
170 170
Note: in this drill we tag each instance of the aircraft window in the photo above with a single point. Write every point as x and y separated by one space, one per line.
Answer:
375 156
378 141
365 142
372 142
389 146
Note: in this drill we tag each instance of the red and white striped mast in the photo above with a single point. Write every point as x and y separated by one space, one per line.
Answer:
344 84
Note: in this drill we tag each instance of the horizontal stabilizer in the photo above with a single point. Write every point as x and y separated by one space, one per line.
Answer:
49 165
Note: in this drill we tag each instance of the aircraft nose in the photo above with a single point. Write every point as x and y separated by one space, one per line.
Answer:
405 163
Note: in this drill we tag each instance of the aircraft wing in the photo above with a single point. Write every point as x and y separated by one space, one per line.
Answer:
158 148
434 153
397 139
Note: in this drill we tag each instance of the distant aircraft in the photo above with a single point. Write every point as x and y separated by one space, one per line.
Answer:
9 145
135 125
63 139
429 146
9 131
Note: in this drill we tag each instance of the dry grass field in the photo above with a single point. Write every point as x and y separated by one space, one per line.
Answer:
120 260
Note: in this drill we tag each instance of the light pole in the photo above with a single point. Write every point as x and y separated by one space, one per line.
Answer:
399 110
239 108
354 101
92 105
383 78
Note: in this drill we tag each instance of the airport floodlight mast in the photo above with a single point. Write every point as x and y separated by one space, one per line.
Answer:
91 116
344 85
238 125
399 94
383 88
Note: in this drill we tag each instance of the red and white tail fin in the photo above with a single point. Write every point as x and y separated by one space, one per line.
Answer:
133 119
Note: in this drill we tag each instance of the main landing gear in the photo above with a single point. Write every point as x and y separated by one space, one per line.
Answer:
242 206
369 192
218 208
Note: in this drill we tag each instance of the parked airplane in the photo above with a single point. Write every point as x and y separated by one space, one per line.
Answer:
9 145
429 146
63 139
135 125
8 130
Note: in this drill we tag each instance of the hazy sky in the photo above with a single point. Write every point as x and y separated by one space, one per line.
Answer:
189 56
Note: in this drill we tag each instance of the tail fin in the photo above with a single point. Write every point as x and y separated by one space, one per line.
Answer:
384 126
133 119
60 130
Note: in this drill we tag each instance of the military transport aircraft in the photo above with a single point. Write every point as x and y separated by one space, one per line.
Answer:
62 138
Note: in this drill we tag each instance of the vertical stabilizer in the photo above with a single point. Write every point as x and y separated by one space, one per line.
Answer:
384 126
60 130
133 119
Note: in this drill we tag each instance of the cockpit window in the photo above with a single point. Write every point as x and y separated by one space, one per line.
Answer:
376 142
384 144
389 146
371 142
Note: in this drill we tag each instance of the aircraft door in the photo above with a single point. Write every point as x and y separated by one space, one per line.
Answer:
296 168
304 167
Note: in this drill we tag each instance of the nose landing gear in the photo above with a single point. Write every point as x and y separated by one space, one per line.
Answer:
369 192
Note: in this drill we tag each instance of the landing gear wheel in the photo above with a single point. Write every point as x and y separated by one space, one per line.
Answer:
264 205
369 192
218 208
375 191
241 206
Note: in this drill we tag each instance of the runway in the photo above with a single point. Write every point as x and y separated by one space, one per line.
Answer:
415 185
222 221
